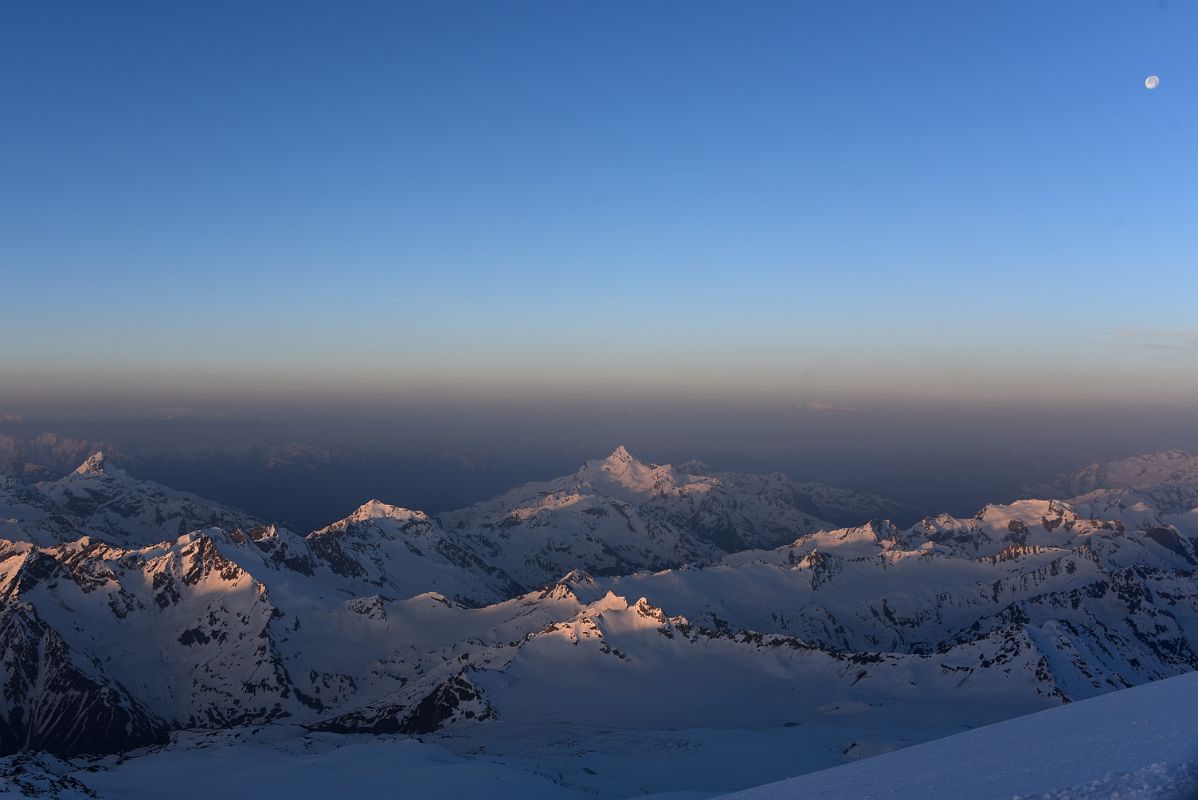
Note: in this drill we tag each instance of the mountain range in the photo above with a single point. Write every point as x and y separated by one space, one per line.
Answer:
586 614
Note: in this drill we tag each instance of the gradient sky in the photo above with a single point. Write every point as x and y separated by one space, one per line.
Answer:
821 203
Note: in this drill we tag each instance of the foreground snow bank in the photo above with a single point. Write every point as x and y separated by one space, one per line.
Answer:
1136 744
1160 780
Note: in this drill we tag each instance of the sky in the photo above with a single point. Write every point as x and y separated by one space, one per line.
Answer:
829 206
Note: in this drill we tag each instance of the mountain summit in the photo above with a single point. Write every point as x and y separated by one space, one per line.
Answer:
622 473
620 455
95 464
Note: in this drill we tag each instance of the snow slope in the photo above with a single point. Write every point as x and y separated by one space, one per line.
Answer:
1137 743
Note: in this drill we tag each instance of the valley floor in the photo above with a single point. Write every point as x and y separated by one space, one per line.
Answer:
1134 744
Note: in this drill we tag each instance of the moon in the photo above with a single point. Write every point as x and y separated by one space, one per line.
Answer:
1151 82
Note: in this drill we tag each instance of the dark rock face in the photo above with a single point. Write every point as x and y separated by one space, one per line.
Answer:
268 539
41 775
52 703
1170 540
376 720
329 549
453 700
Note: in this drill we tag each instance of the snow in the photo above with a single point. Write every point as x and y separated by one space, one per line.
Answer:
372 509
1135 743
718 672
1168 479
316 767
1154 782
95 464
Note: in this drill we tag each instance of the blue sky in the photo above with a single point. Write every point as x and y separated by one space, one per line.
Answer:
835 202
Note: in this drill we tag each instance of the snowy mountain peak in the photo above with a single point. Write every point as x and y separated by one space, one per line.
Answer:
581 585
620 455
623 471
577 577
96 464
619 462
881 528
377 509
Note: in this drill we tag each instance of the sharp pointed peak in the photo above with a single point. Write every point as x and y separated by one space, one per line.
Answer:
577 577
622 473
621 454
621 459
95 464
